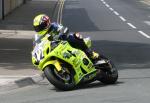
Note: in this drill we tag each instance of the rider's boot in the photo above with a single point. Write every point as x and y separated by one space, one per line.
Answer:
94 56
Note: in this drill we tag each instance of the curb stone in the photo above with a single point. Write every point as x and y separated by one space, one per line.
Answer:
27 81
16 34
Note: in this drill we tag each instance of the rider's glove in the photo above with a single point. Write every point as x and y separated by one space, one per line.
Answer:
78 35
62 29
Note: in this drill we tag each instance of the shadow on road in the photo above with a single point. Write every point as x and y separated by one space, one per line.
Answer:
16 53
125 54
90 86
97 85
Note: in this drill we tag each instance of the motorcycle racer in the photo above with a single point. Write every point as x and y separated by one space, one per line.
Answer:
54 31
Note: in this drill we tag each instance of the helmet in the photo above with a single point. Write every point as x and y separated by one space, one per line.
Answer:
41 24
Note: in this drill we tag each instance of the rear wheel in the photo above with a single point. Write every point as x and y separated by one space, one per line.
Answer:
109 73
63 80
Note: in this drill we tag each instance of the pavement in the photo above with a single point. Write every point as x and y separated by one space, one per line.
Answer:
147 2
15 29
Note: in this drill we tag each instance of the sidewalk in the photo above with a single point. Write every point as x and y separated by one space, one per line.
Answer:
147 2
17 28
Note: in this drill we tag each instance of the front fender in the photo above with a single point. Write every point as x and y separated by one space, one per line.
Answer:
55 63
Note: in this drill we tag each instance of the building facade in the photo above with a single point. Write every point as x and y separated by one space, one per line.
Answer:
7 6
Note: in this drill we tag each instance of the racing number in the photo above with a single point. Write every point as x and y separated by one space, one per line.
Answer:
38 54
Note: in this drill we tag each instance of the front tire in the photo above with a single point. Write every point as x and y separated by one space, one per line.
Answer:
55 78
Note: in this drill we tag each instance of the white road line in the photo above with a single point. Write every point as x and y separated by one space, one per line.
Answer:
147 22
9 49
111 9
116 13
144 34
122 18
107 5
62 11
131 25
17 76
104 2
59 15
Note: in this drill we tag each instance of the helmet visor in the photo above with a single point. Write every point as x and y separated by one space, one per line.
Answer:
40 27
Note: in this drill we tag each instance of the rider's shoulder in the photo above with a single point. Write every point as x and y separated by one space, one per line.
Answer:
54 24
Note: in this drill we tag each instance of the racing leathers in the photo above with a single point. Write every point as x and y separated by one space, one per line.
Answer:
59 32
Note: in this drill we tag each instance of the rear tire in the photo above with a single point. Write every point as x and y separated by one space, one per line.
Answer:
109 73
53 77
109 77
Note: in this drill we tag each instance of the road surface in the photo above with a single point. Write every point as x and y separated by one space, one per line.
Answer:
120 29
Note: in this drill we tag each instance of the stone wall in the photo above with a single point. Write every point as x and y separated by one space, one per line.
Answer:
0 9
9 6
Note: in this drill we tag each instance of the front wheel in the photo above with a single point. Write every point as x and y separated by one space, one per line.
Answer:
62 81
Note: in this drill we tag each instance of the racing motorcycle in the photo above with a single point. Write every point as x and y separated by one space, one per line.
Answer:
66 67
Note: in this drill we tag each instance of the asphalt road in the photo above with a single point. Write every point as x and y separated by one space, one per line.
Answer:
120 30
